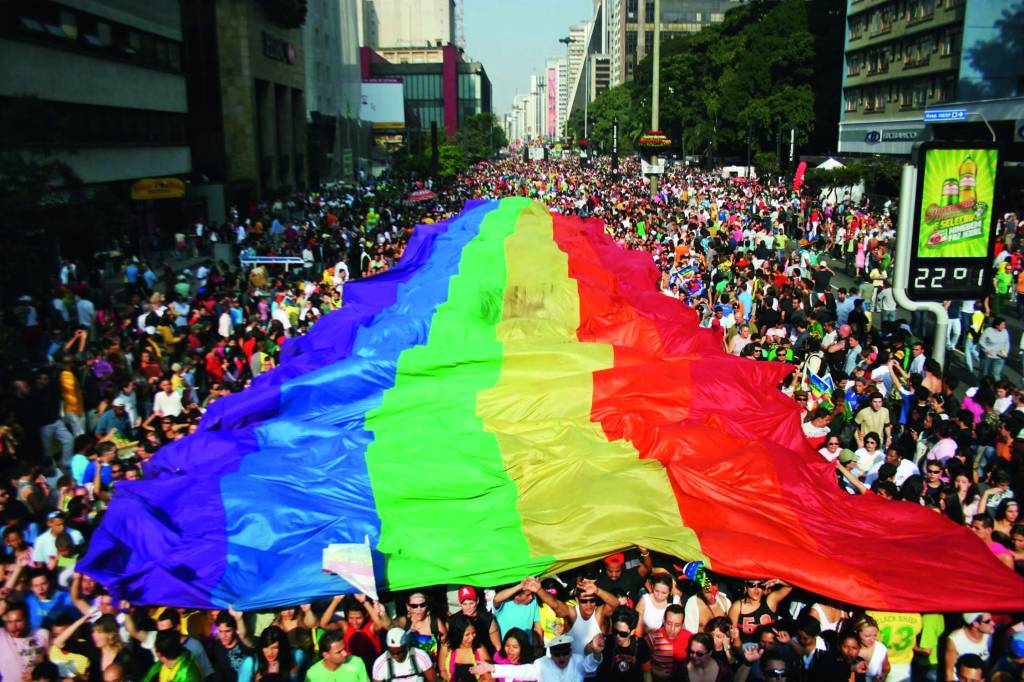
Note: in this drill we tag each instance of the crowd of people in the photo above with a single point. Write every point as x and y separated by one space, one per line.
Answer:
102 371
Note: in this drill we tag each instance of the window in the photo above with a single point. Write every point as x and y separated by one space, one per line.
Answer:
649 12
852 102
69 24
853 64
920 95
631 9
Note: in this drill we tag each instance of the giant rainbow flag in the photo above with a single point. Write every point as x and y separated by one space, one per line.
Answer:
515 398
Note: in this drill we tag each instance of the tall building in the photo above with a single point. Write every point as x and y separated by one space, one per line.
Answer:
590 64
409 23
245 67
338 142
577 50
631 27
113 72
903 57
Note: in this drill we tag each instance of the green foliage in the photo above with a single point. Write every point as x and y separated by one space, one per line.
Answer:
619 101
767 165
480 137
750 73
450 160
880 175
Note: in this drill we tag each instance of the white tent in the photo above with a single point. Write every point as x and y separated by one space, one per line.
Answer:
829 164
834 195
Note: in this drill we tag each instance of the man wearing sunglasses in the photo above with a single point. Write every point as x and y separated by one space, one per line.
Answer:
975 637
587 617
627 657
560 665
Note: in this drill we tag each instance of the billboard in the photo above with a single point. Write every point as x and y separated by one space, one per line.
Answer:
383 103
952 241
957 190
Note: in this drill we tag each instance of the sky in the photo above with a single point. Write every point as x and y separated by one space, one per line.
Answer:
512 39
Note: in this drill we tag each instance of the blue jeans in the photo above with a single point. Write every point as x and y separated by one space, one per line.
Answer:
992 367
970 352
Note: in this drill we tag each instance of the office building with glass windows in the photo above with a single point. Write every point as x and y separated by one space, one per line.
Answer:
439 85
904 58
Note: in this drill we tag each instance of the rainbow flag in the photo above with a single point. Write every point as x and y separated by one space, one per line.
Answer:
515 398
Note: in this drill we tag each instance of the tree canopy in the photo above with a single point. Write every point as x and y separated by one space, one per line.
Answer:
750 74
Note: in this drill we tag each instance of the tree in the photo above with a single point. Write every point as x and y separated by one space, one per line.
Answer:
620 102
480 137
450 160
750 74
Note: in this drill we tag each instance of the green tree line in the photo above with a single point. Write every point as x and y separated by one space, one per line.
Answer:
751 75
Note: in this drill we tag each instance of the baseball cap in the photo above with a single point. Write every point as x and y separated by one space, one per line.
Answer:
467 592
120 402
846 455
396 637
972 616
616 559
560 641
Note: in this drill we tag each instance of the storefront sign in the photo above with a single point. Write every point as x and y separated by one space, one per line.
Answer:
158 188
277 49
899 135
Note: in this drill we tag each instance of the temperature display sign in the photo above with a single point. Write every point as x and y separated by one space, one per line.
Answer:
953 221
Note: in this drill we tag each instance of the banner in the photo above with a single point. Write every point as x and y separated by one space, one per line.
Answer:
957 191
798 179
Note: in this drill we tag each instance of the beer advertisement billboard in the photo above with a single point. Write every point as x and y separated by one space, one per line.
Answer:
957 193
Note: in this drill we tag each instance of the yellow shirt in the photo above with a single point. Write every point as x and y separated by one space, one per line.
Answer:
898 632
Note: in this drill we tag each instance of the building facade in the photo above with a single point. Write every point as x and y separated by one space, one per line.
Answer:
246 86
444 92
338 143
905 57
631 27
409 23
111 72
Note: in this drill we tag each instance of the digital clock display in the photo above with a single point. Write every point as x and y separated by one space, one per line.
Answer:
953 239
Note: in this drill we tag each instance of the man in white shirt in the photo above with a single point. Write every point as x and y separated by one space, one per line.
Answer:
560 665
45 545
167 402
401 662
86 312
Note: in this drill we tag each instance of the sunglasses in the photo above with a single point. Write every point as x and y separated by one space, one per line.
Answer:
697 654
623 633
935 471
834 442
985 622
418 605
588 601
562 653
774 673
754 585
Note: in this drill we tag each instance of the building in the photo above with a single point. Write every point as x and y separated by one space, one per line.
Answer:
338 143
444 92
904 57
631 27
246 88
589 63
111 73
409 23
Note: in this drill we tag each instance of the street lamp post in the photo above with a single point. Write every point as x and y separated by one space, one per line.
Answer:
655 87
567 41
